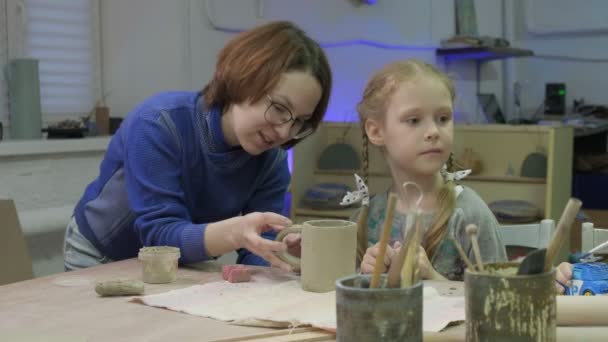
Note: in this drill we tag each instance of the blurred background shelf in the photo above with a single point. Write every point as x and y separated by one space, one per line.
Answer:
482 53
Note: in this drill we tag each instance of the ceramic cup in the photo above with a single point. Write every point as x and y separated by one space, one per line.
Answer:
159 264
329 252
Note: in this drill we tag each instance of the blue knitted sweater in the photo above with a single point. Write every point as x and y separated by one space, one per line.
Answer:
167 173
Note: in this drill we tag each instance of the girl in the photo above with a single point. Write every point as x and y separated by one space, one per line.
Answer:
206 171
407 110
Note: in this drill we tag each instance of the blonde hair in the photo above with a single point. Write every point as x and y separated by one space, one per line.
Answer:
374 104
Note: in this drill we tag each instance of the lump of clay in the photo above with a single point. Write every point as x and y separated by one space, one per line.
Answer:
125 287
236 273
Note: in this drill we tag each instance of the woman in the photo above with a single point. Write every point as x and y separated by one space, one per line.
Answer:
207 171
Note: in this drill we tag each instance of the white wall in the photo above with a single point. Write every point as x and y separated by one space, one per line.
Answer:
570 39
154 45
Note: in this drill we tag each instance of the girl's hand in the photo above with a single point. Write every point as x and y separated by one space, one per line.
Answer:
425 268
563 274
369 259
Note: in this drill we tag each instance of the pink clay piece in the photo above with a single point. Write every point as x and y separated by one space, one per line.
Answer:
235 273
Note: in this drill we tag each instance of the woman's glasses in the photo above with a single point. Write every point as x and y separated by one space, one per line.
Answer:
278 114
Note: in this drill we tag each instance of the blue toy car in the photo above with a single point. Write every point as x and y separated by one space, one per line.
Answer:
589 279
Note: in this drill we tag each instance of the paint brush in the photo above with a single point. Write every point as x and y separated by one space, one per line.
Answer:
394 270
562 232
472 231
386 232
593 250
362 233
463 256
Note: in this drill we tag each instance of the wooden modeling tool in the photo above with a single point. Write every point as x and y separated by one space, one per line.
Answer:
394 270
362 233
463 256
472 233
409 271
386 232
562 232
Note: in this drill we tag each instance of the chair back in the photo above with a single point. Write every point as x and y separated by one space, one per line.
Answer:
15 261
592 236
531 235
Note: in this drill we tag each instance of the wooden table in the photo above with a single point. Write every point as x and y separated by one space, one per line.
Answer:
64 307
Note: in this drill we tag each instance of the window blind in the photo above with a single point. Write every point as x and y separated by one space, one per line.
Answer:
3 61
62 35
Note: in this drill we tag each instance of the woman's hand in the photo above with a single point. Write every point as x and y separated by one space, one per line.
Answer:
245 232
563 274
248 235
369 259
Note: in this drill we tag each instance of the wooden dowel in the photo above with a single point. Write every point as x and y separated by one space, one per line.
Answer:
386 232
394 270
562 232
463 256
409 272
472 232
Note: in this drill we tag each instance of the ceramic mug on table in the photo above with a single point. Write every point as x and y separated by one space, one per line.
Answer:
329 252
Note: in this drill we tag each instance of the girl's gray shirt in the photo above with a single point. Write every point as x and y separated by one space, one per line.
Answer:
469 208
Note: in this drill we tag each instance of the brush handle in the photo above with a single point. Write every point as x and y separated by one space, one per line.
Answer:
362 233
463 256
393 279
598 247
472 232
409 271
394 270
386 232
562 232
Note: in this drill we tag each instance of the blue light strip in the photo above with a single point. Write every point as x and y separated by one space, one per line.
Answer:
378 45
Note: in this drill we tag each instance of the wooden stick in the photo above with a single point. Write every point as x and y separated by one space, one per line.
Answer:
362 233
386 232
410 271
394 270
472 232
562 232
463 256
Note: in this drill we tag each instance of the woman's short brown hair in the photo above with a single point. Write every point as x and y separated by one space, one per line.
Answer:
251 64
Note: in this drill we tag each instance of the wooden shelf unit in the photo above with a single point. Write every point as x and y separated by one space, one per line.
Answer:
504 147
500 147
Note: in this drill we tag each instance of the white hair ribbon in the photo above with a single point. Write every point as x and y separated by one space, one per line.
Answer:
361 194
454 176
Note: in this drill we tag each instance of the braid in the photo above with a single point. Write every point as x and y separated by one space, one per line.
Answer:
365 152
446 201
450 162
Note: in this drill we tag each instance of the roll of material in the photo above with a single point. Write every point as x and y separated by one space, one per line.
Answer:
24 99
582 311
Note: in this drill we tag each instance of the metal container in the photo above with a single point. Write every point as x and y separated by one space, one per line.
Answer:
380 314
504 306
24 99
